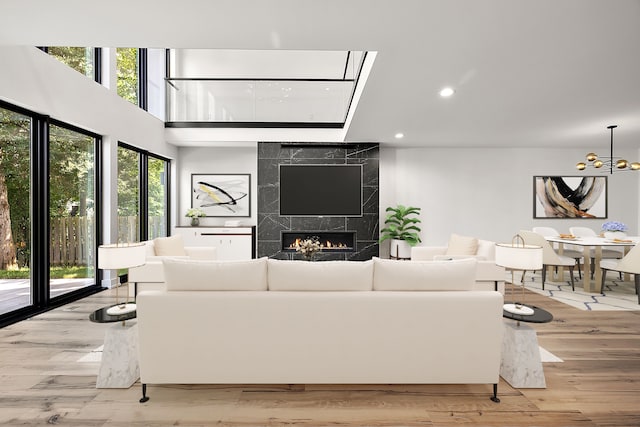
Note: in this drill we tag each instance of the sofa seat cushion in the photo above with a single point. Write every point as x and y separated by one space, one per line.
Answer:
198 275
320 276
169 246
450 275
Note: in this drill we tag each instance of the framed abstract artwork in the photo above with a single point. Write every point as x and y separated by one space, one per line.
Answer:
222 195
570 197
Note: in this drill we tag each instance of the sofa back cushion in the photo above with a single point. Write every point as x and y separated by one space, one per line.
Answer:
486 250
451 275
320 276
169 246
198 275
462 245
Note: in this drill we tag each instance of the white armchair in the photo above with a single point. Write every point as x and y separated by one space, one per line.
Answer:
489 276
151 274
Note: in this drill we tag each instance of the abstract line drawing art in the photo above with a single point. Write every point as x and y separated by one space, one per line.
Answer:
222 195
570 196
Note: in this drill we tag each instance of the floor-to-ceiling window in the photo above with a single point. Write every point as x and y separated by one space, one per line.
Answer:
157 198
128 195
143 198
72 225
49 213
15 207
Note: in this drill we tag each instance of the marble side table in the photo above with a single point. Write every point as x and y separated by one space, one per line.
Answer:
521 365
119 366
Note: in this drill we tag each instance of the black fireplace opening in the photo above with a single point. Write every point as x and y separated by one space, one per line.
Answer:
330 241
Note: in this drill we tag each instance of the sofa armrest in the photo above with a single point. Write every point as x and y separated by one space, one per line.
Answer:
151 272
426 253
202 252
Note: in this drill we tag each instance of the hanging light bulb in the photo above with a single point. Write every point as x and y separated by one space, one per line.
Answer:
635 166
592 156
621 164
598 164
581 166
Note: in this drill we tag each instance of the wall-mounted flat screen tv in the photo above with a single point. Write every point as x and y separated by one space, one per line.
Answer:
321 190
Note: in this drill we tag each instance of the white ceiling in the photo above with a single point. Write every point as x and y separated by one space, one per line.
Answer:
527 72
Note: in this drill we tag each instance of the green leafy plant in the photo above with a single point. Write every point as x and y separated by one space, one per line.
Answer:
401 224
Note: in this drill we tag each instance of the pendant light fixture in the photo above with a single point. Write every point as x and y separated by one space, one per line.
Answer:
608 162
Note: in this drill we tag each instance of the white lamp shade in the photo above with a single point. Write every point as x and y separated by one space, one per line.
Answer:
523 257
113 257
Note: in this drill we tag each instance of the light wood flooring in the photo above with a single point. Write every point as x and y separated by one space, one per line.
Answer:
43 382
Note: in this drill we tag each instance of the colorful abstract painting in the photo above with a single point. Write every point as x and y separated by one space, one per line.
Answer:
222 195
570 196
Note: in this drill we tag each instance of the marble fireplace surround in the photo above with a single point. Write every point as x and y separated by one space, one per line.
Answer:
271 224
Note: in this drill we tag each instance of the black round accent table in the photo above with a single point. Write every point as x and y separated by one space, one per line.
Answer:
539 315
101 316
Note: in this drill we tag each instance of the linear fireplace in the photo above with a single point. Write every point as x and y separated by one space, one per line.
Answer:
330 241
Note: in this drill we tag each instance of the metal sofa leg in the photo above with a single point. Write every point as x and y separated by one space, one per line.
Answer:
636 278
144 397
495 397
604 276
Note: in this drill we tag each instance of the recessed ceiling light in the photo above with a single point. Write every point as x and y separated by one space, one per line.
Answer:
399 135
446 92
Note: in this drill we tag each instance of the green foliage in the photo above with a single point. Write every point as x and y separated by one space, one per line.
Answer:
55 273
401 225
79 58
127 60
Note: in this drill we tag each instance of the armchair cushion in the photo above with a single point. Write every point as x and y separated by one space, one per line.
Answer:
462 245
169 246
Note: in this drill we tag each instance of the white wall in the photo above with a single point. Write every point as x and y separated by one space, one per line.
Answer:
488 192
216 160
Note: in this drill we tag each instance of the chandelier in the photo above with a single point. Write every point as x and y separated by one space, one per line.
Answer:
608 162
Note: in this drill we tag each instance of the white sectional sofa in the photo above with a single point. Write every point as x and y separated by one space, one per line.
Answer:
268 321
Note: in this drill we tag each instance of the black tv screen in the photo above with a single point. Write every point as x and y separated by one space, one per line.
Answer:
321 190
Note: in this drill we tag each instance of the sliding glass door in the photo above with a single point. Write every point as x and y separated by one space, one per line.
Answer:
15 208
72 225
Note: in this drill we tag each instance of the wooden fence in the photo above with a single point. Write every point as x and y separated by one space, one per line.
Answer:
73 239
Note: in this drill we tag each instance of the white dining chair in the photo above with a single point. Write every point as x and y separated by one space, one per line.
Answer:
549 256
570 251
606 253
629 264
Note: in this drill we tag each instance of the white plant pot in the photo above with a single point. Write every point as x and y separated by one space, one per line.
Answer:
400 249
615 234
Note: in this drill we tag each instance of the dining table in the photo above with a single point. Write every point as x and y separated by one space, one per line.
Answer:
597 243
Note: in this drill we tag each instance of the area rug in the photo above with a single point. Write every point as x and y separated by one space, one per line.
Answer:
617 295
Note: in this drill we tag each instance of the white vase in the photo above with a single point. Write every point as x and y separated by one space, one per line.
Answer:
615 234
400 249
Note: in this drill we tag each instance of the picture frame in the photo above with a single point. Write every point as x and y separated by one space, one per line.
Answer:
571 196
221 195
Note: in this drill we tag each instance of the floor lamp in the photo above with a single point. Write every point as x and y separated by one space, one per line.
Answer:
518 256
114 257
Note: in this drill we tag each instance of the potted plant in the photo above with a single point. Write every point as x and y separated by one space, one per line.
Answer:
195 214
401 226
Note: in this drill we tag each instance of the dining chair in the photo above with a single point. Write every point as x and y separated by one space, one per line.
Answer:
606 253
549 256
571 251
629 264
